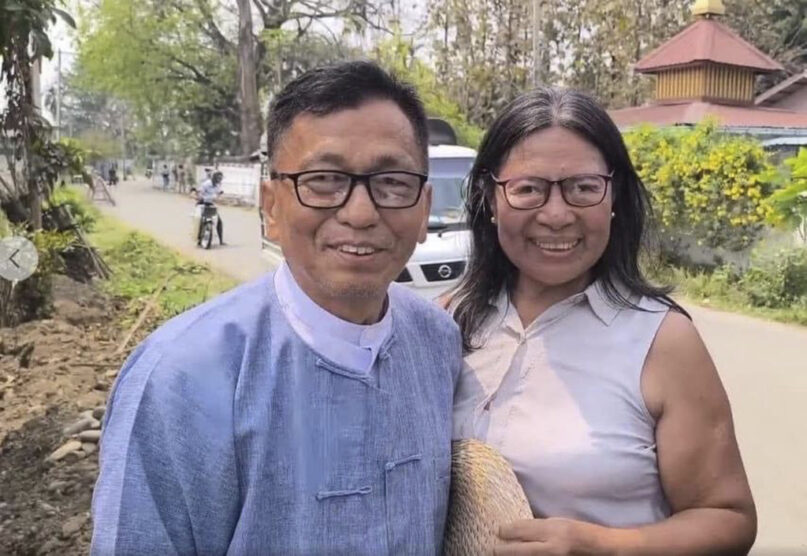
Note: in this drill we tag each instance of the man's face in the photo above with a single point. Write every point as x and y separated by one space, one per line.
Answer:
354 251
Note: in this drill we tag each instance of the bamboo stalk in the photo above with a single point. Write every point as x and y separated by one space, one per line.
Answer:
150 305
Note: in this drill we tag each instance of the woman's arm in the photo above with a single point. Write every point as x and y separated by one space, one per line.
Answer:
699 463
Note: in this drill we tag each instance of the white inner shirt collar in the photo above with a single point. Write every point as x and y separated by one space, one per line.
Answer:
350 345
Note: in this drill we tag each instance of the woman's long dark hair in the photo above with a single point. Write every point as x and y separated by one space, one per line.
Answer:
489 269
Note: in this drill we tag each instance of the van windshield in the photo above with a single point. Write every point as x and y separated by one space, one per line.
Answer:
447 176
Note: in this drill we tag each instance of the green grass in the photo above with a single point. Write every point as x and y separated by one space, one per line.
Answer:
787 316
140 264
717 291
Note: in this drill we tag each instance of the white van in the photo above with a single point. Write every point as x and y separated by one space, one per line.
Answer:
439 262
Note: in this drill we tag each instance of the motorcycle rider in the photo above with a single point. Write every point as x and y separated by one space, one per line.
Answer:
206 195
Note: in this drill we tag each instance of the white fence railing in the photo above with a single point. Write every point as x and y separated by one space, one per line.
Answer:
239 181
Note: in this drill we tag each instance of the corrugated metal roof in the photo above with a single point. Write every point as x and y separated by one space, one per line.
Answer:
707 40
782 90
779 141
694 112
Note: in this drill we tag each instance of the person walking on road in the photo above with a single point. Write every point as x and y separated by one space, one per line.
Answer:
166 177
181 181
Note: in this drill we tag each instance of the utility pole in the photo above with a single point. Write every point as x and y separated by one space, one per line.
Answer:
537 43
34 193
59 81
122 168
58 95
36 92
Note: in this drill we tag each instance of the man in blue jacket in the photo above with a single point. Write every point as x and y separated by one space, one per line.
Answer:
308 412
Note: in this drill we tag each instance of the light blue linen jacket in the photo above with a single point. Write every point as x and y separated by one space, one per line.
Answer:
226 434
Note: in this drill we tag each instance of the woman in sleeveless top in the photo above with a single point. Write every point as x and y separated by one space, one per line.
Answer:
592 382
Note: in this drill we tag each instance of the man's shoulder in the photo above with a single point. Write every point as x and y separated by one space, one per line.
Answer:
219 324
420 311
426 324
204 349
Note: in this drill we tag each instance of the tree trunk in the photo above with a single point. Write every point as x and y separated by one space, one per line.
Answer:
247 74
35 200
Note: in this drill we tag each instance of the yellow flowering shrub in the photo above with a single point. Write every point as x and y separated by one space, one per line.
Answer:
705 182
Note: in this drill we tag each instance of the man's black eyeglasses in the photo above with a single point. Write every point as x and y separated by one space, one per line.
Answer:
328 189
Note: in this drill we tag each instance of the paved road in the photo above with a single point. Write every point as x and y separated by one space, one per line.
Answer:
167 216
763 364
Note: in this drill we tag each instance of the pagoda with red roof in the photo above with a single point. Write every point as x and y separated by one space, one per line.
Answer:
707 70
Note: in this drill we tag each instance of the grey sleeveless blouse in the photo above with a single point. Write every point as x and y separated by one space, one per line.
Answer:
561 400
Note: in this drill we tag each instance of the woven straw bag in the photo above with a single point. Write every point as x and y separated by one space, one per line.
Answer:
485 494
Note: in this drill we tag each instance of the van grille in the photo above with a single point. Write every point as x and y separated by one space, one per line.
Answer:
441 272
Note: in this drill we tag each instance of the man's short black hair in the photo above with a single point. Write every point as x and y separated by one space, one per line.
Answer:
329 89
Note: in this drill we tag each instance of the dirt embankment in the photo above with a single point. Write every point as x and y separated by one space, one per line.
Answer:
55 376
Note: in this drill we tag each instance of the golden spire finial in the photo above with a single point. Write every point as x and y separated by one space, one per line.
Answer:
708 8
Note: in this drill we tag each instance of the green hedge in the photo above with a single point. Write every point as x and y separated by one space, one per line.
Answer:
774 286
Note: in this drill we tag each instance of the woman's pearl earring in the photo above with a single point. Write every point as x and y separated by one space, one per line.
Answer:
613 214
492 219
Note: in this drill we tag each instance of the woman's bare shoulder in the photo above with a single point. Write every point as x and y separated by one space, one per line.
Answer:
679 367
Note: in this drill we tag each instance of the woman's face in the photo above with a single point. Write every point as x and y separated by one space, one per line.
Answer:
557 243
